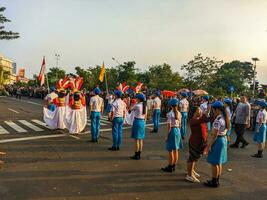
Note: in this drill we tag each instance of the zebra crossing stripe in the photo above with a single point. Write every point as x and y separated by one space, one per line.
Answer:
41 123
15 127
31 126
3 131
101 122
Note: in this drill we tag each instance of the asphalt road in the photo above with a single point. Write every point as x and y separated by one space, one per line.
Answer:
47 164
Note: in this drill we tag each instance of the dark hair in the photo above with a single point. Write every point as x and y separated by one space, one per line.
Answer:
76 96
61 94
144 106
226 117
175 110
192 111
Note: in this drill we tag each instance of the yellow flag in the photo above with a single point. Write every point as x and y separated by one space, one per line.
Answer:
102 73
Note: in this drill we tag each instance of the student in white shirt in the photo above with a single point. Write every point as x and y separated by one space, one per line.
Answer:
96 108
118 113
156 107
138 128
184 108
260 130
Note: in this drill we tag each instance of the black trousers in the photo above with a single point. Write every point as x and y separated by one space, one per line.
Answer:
240 130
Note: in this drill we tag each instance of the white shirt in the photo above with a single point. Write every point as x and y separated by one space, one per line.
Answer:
184 105
204 106
96 103
229 113
138 111
261 116
110 98
157 103
149 104
171 119
119 108
219 124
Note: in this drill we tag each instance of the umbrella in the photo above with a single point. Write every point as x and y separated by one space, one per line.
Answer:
200 92
168 93
183 90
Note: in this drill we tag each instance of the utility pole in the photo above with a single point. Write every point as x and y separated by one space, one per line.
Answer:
57 61
254 75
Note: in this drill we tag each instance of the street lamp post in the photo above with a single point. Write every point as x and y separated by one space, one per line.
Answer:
116 61
254 75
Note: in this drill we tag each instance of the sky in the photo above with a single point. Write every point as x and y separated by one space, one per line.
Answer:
150 32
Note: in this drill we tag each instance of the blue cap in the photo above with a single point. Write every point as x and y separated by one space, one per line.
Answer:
261 103
173 102
141 96
157 93
52 88
97 91
118 93
227 100
206 97
183 94
217 104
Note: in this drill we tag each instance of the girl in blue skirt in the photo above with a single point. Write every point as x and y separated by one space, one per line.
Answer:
138 128
173 139
217 147
260 131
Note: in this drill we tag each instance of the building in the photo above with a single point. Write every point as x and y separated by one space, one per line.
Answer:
14 66
6 66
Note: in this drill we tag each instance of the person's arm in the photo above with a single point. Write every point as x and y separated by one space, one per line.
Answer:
213 138
102 107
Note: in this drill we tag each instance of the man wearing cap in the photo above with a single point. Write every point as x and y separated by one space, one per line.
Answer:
156 107
96 108
118 113
184 108
241 118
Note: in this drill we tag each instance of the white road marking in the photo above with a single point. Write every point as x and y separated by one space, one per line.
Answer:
32 138
41 123
13 110
75 137
31 126
149 128
15 127
3 131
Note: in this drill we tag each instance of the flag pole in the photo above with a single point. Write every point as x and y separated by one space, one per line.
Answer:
48 88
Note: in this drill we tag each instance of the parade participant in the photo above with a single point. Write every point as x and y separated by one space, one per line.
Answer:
241 118
260 131
173 139
149 107
156 107
95 110
138 129
49 99
2 154
217 146
118 113
110 98
197 142
56 118
229 112
204 106
184 109
76 117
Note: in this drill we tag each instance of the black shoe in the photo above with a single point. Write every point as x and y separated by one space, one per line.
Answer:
153 131
173 167
257 155
167 169
244 145
135 157
92 140
234 146
118 148
112 149
212 183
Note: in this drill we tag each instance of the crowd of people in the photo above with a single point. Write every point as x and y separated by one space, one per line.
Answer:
211 121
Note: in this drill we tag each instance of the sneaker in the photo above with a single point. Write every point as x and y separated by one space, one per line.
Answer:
196 174
192 179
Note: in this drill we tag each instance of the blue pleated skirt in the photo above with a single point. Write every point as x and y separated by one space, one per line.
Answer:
218 153
138 129
174 141
260 137
108 108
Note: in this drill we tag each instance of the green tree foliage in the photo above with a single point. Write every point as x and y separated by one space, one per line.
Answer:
127 72
85 73
55 74
162 77
200 71
236 73
6 35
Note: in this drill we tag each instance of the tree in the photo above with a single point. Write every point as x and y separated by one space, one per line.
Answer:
6 35
200 71
85 74
127 72
55 74
237 74
162 77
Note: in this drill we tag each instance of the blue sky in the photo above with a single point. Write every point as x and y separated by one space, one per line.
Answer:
88 32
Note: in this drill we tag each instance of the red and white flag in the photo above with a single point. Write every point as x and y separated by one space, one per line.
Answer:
41 76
